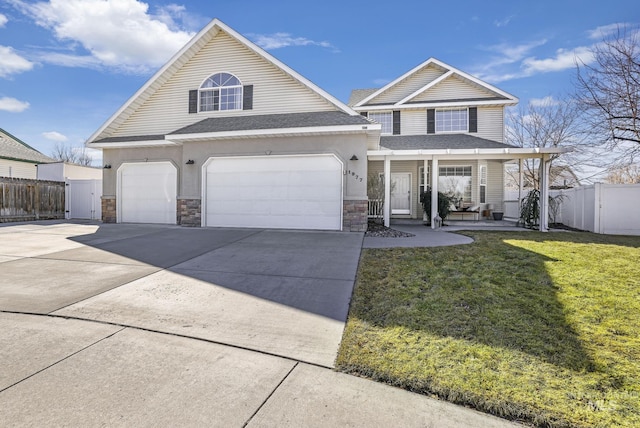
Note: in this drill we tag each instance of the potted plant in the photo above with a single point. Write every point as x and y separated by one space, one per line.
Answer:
444 204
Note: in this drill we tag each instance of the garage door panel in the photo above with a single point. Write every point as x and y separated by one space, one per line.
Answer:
296 192
148 193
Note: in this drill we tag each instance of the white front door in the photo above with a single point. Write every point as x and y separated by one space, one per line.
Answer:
401 193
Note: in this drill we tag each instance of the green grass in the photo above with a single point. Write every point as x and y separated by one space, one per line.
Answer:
540 328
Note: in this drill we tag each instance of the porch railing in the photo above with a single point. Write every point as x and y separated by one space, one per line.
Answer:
375 209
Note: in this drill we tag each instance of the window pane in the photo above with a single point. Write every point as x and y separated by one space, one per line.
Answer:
385 119
455 181
451 120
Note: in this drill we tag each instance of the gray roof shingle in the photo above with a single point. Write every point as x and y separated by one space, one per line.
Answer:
14 148
272 121
438 141
358 95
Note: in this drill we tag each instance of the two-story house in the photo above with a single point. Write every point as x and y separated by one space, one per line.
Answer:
226 135
444 129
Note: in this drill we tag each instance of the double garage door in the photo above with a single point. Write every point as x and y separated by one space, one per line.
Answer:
290 192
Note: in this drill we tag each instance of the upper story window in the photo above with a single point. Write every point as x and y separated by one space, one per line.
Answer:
222 91
452 120
384 118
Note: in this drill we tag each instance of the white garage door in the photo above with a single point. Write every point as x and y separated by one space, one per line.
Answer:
148 192
287 192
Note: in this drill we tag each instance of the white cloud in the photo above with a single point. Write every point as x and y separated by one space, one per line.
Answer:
603 31
282 40
3 20
12 105
503 22
119 34
563 60
543 102
55 136
11 62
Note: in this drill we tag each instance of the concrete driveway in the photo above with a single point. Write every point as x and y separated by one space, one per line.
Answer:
283 293
143 325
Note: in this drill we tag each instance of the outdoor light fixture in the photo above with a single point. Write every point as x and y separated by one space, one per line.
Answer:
107 166
354 157
190 162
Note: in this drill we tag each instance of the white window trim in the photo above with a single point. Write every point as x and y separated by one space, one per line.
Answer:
201 90
482 182
458 166
466 130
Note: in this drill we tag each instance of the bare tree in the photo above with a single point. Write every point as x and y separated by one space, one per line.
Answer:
70 154
609 90
552 123
628 174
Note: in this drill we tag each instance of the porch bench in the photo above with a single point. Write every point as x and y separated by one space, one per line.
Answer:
475 214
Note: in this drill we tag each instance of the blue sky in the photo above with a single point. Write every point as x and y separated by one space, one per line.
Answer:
67 65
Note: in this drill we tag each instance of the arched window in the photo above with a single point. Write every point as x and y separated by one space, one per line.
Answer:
222 91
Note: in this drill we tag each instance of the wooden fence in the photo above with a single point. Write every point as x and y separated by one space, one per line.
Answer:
26 200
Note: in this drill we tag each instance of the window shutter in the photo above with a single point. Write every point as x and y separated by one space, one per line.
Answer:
364 113
193 101
247 97
473 119
431 121
396 122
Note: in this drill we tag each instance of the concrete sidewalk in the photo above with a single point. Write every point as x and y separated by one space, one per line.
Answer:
147 325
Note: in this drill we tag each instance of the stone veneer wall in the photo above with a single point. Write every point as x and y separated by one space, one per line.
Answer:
354 216
108 209
190 212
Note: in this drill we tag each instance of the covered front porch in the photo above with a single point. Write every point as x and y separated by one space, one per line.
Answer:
474 177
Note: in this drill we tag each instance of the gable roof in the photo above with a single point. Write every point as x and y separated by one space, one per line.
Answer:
182 57
13 148
361 98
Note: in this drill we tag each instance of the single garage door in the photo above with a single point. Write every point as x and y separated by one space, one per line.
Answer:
147 192
286 192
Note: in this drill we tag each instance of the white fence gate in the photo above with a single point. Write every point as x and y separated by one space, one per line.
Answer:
83 199
612 209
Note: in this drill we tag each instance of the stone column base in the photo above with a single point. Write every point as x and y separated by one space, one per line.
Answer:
354 216
190 212
108 209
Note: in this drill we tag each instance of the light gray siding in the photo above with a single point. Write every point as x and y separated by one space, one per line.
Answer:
413 122
409 85
453 88
491 123
274 91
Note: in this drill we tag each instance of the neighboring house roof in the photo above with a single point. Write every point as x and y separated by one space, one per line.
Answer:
438 141
13 148
358 95
421 86
189 51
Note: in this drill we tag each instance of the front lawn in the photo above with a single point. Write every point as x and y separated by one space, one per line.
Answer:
541 328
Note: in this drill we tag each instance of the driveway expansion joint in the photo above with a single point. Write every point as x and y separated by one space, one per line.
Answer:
270 395
60 360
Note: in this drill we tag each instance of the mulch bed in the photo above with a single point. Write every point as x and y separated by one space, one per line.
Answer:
378 230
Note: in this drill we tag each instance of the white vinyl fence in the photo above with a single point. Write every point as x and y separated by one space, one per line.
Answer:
612 209
83 199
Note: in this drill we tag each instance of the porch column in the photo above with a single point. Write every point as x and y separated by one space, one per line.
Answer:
434 191
387 192
544 194
520 181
